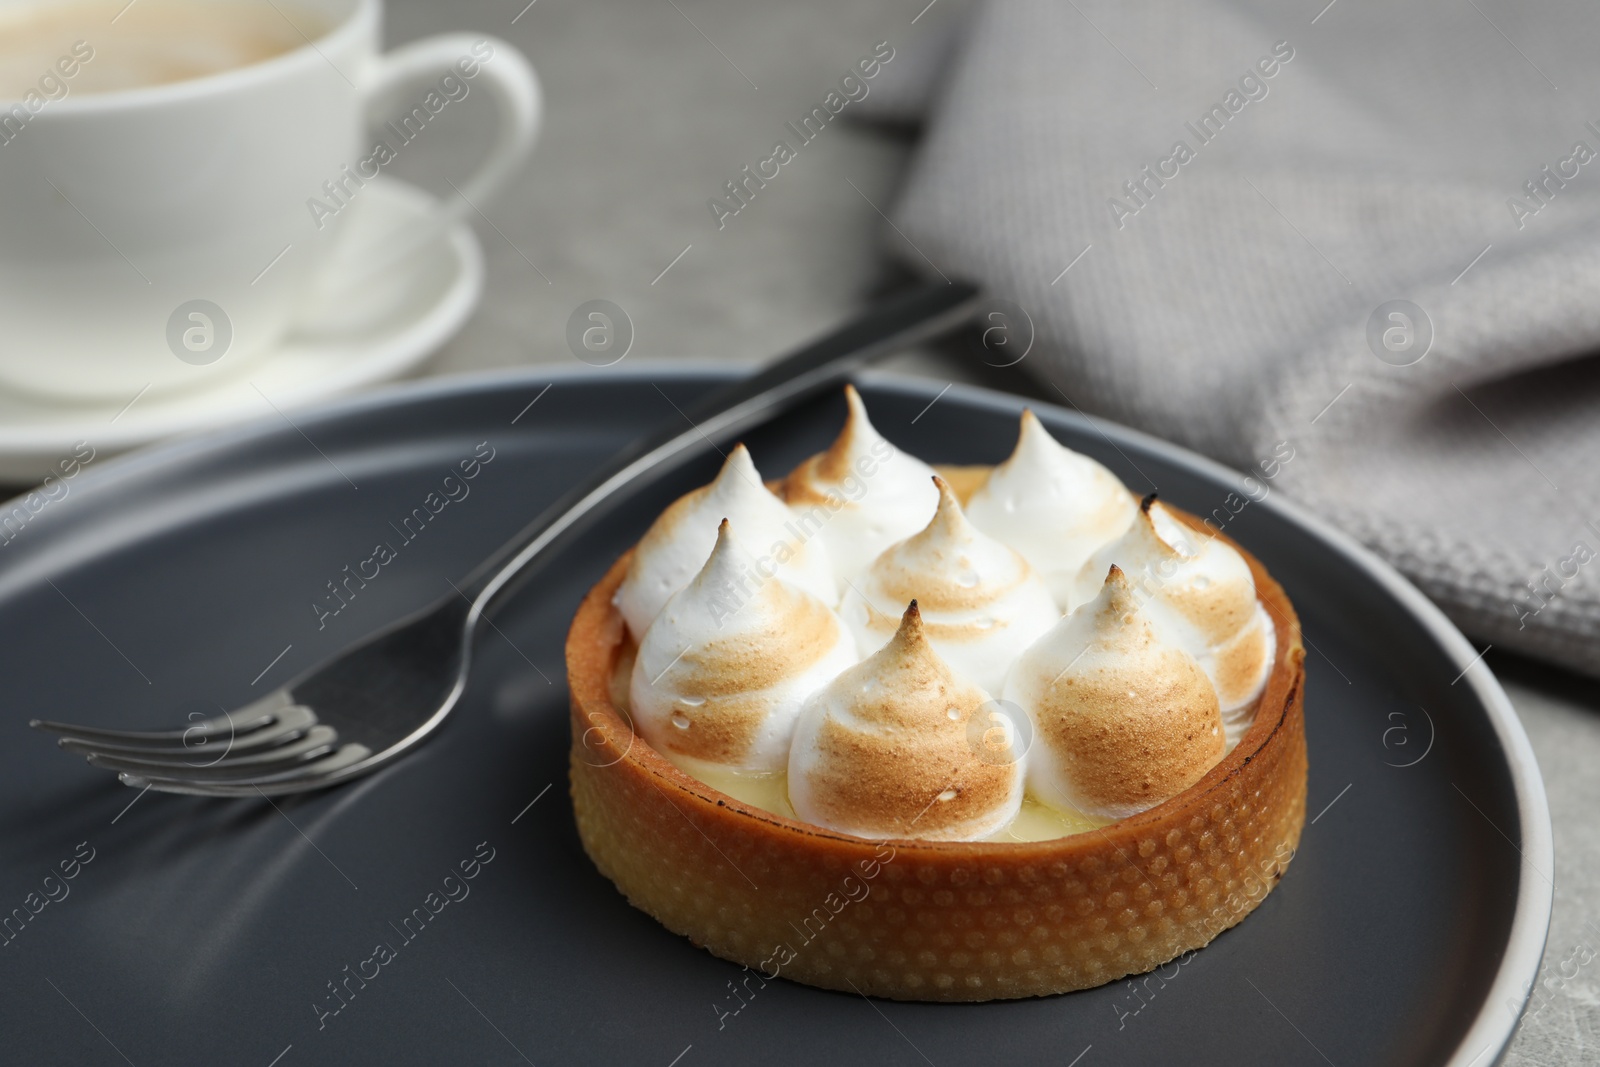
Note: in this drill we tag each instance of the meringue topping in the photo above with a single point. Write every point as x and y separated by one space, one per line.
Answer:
1055 506
861 495
1203 596
1239 668
746 678
1122 719
723 670
679 542
882 751
980 603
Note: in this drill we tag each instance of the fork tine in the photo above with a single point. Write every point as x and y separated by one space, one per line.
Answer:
279 725
249 718
302 777
315 742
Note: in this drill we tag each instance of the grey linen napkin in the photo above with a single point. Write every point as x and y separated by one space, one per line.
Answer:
1238 294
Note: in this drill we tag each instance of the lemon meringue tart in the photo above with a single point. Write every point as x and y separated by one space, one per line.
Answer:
938 733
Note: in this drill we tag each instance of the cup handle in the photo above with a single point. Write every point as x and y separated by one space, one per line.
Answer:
501 71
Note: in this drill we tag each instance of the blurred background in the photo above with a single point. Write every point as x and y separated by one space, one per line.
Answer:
651 108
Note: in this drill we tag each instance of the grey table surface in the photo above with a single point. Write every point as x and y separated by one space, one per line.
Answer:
651 106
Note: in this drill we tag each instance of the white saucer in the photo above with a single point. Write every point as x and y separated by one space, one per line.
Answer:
438 288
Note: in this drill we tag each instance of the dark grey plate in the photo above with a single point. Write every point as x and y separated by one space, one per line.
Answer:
204 932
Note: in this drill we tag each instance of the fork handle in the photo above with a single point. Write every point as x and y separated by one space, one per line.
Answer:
895 324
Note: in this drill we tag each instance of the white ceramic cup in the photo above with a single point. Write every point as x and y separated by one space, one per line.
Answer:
158 238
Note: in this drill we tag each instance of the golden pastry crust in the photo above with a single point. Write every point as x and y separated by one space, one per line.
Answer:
935 920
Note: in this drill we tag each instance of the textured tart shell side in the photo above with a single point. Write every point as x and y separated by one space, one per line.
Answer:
942 921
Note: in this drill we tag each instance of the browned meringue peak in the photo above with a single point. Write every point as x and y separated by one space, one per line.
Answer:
1055 506
861 495
980 602
1239 668
679 542
883 750
1201 593
1122 720
1215 592
722 672
1219 593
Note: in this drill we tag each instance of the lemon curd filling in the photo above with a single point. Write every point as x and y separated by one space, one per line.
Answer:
770 792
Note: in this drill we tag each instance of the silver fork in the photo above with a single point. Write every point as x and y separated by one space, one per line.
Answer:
378 699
